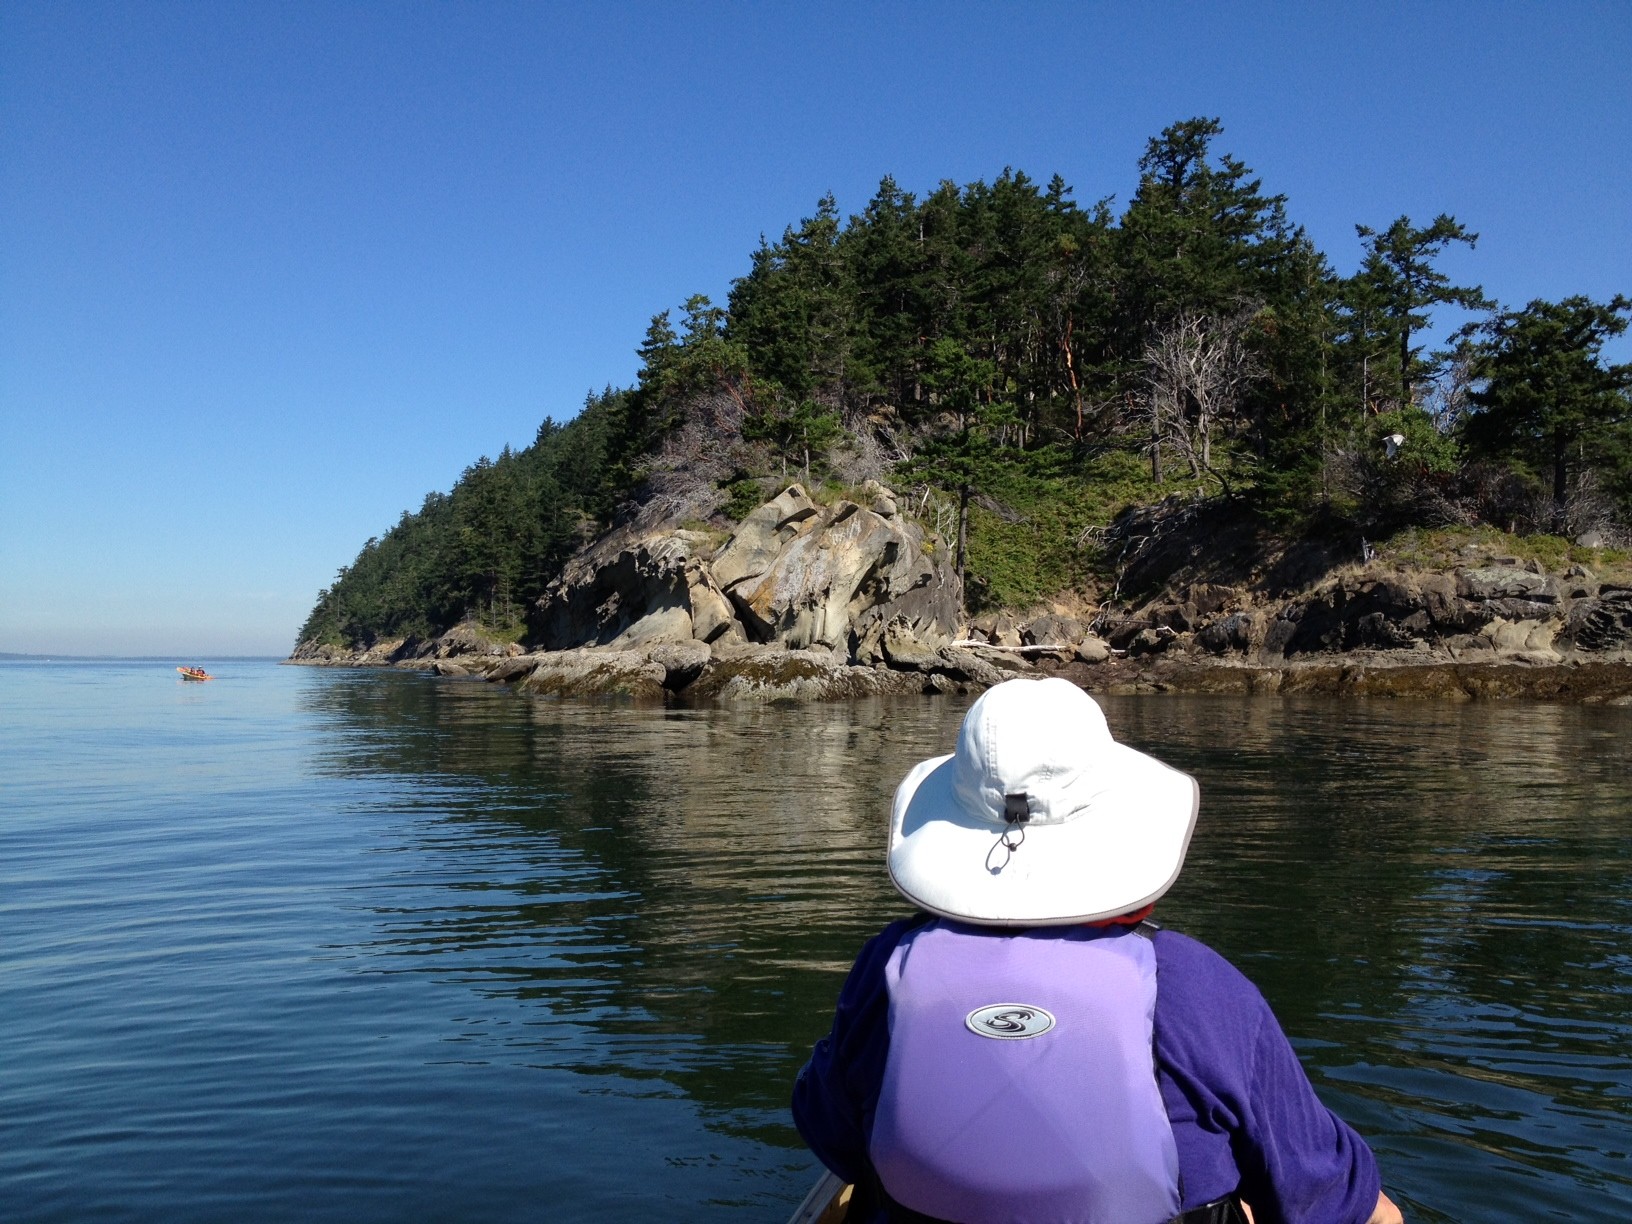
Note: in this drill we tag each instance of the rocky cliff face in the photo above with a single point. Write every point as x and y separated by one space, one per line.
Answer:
846 579
800 601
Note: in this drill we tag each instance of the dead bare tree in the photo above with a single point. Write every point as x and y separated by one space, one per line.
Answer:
1448 393
1197 370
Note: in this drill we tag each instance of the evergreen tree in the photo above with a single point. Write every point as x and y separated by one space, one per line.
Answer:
797 434
1366 344
947 269
883 250
792 311
658 350
708 359
1202 240
1544 399
1397 282
963 458
1199 236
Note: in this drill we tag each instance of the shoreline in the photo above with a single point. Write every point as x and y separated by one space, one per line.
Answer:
698 676
803 601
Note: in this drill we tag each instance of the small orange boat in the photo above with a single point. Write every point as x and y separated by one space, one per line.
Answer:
194 673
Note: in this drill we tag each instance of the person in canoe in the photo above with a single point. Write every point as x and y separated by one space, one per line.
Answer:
1031 1046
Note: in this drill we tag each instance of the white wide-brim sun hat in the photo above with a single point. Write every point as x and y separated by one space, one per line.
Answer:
1104 830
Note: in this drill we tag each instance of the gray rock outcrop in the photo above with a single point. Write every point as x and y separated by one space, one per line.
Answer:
793 574
1492 613
1602 623
629 588
799 601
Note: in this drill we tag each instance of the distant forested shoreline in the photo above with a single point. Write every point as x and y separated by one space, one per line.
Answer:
1022 367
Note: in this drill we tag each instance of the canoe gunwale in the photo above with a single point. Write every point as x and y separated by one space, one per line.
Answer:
827 1202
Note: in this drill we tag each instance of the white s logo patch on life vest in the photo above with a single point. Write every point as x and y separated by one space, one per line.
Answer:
1009 1021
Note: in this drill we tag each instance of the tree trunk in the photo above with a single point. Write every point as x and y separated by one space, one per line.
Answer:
1071 369
1405 366
1560 471
963 527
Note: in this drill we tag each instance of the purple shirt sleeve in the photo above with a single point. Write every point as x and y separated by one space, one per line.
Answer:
837 1090
1242 1108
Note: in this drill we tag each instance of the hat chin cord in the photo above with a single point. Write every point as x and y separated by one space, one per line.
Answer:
1016 812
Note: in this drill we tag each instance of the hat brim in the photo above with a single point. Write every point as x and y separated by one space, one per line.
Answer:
1119 853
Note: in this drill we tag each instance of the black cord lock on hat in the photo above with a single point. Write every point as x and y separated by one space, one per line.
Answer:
1017 809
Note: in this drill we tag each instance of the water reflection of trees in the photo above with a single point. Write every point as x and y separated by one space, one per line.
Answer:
675 894
1424 885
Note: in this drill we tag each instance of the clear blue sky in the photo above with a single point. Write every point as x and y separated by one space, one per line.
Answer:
269 273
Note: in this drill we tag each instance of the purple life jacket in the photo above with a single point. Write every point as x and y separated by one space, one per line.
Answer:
1020 1085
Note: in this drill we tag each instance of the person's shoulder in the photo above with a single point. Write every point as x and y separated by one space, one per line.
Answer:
1209 1015
877 949
1185 963
898 930
1172 945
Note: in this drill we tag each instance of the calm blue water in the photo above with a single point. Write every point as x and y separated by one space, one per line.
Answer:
329 945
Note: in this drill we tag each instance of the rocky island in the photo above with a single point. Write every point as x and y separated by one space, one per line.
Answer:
989 431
